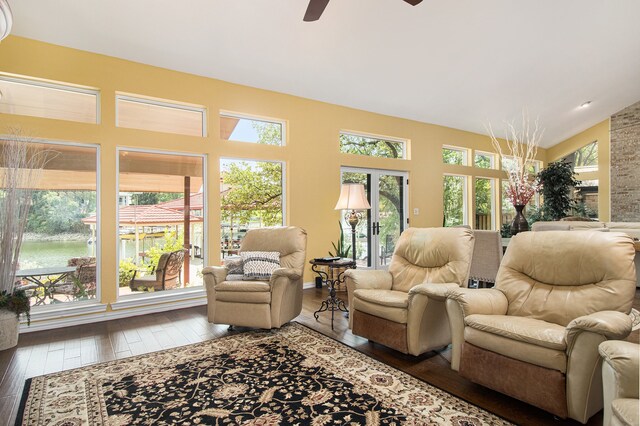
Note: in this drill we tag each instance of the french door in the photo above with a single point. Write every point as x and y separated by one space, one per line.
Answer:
381 226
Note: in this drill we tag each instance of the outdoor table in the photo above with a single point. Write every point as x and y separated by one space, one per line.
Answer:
36 276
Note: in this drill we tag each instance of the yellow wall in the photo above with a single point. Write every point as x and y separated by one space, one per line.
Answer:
600 132
312 152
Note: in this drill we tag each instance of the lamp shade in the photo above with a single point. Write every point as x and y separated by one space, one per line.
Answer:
352 197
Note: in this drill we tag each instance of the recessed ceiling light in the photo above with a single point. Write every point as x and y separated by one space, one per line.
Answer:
586 104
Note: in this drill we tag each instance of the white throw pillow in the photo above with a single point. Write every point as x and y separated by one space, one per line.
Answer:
259 264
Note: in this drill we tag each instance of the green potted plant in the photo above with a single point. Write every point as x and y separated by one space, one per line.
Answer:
557 180
20 167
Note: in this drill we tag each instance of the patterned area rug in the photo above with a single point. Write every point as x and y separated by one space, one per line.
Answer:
290 376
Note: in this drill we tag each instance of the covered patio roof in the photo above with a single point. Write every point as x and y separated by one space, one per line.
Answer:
148 215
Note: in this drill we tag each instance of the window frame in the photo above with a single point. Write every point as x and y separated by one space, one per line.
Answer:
464 151
283 164
492 156
61 86
465 197
98 298
402 141
243 116
494 201
205 226
163 103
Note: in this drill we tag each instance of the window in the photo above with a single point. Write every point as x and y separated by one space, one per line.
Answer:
48 100
454 200
160 116
485 205
585 159
509 163
58 259
240 128
160 248
353 143
585 196
452 155
484 160
251 196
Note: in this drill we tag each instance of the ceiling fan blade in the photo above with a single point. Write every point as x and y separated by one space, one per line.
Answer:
315 9
413 2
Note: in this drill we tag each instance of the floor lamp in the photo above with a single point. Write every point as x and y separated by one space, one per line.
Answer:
352 198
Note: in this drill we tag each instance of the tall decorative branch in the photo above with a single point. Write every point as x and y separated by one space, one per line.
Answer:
21 164
522 145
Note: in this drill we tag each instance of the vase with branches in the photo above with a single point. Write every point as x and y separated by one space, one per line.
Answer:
522 147
21 164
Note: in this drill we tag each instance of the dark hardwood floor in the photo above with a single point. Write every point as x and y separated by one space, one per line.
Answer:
56 350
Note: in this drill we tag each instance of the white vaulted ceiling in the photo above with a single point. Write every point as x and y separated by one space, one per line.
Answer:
457 63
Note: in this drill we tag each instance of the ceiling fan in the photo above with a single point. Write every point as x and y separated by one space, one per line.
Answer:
316 7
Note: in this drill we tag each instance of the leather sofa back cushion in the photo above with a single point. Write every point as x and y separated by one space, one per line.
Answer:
289 241
557 276
433 255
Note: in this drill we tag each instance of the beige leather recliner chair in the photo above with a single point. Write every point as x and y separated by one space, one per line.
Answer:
620 381
396 307
535 335
261 304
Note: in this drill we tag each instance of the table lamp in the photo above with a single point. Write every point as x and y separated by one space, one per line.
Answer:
352 197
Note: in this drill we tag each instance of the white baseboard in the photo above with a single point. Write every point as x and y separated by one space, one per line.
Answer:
73 317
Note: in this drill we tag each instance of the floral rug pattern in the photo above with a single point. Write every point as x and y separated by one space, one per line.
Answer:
290 376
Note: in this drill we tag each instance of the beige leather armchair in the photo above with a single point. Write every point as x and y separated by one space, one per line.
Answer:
261 304
535 335
620 383
404 308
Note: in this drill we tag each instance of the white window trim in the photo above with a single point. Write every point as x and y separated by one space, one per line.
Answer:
491 155
165 103
98 215
242 116
494 200
465 156
58 86
205 223
404 142
465 197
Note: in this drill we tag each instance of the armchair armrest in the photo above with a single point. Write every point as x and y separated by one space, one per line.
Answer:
368 279
436 291
462 302
623 357
214 275
289 273
613 325
487 301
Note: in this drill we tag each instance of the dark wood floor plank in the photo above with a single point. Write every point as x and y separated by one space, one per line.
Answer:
54 361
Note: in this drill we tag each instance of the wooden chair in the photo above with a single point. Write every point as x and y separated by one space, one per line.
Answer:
166 276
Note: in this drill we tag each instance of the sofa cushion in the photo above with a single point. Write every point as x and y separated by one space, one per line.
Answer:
243 286
523 329
387 304
392 298
516 349
244 296
259 264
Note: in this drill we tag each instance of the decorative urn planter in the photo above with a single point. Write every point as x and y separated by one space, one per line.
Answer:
519 223
9 328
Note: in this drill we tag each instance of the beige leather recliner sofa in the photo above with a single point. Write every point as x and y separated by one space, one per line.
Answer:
397 308
620 378
535 335
255 303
